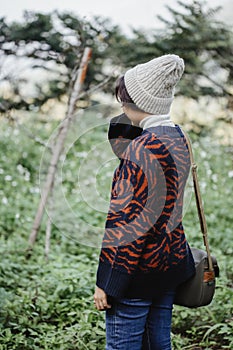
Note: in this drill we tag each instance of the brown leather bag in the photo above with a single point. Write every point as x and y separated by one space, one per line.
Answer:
199 290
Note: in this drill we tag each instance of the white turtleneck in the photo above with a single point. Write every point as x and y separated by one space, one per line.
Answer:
156 120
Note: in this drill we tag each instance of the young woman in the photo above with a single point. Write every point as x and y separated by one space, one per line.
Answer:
145 254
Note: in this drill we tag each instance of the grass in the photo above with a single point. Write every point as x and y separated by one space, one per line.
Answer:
48 304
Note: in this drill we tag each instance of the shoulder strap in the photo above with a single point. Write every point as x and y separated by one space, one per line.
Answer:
200 209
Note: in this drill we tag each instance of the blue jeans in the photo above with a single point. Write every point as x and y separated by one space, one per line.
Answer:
139 324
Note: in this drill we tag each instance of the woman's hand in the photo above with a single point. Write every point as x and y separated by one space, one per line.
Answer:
100 299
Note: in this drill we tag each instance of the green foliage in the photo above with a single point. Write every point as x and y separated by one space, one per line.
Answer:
211 326
205 43
194 33
53 43
49 304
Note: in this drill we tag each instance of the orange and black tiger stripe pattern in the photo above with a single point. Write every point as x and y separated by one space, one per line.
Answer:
143 230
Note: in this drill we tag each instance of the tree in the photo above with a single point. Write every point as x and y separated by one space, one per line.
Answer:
194 33
75 89
49 45
205 43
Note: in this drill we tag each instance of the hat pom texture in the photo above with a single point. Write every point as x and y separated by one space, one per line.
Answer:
151 85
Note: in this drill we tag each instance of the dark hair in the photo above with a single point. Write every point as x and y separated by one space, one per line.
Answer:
122 94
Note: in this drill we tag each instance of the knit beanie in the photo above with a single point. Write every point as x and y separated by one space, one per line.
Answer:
151 85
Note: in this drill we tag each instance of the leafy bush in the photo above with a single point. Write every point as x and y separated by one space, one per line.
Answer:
49 304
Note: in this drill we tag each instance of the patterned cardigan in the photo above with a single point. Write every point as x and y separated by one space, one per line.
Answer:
144 249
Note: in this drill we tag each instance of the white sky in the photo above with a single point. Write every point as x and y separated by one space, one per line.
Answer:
126 13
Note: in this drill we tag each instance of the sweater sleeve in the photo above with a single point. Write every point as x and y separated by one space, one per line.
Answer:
129 219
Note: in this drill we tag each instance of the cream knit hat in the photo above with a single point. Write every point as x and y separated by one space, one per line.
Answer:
151 85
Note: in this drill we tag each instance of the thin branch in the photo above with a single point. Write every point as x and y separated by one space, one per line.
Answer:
30 134
217 84
47 238
49 225
95 88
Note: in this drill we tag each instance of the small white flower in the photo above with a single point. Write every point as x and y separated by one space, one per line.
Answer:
20 168
27 176
203 154
8 177
81 154
4 200
34 190
16 132
230 173
215 177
